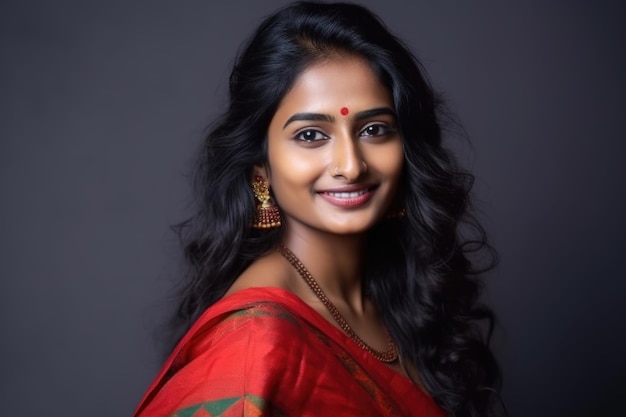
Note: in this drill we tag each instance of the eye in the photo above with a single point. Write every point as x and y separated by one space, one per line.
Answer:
375 130
310 135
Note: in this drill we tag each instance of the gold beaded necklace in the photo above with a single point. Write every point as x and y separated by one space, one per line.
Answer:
389 356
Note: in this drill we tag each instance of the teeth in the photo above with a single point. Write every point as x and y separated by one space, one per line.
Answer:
352 194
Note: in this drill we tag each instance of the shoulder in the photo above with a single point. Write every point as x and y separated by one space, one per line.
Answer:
254 321
260 347
267 271
244 346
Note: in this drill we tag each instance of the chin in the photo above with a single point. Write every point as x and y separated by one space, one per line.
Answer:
352 228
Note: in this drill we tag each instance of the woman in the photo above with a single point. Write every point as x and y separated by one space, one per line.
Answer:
346 289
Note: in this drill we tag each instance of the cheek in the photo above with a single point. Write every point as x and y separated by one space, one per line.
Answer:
390 159
291 167
399 159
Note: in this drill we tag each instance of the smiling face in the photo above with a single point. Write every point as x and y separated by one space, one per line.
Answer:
334 152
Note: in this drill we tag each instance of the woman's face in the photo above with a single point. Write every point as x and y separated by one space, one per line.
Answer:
334 152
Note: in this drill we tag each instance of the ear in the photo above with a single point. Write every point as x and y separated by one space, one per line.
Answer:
262 171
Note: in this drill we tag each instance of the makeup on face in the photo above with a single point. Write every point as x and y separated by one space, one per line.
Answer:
334 152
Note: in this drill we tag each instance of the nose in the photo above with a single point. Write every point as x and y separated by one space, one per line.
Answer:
347 161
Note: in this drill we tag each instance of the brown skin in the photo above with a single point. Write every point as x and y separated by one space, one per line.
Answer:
324 232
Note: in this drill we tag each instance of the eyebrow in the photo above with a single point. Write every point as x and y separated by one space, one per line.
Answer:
366 114
320 117
313 117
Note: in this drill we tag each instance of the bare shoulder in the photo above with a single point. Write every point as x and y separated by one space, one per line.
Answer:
269 270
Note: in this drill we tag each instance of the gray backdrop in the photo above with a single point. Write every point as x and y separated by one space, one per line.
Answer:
102 105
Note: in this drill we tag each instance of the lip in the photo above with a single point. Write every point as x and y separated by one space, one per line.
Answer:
348 197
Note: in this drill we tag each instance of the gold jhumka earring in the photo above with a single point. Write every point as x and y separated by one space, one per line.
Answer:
267 214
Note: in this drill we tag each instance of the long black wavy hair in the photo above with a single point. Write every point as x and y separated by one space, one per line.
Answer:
421 269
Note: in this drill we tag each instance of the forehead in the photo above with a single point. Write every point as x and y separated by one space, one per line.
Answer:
332 85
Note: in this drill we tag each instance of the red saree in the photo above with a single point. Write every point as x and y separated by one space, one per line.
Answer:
264 352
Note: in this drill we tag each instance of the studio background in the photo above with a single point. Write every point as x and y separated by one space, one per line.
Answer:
103 104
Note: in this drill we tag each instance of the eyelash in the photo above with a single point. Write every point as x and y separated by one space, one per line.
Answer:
384 130
319 136
299 136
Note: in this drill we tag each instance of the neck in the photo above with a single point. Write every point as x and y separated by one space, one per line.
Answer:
335 262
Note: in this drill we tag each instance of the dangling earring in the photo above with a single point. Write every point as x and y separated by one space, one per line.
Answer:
267 214
396 214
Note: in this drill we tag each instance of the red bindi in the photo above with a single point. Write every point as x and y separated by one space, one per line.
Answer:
344 111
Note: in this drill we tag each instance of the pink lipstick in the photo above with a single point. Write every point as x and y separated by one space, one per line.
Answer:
348 197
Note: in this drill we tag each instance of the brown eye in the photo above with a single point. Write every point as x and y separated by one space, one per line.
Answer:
374 130
310 135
